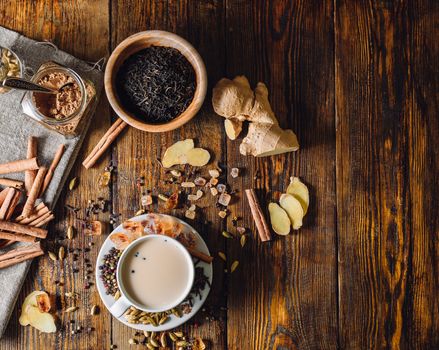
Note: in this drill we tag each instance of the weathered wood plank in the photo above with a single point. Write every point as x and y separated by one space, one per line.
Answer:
420 329
386 189
283 294
72 28
137 151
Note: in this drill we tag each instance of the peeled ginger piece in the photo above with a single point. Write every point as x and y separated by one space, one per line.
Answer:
42 321
34 312
293 208
299 190
30 300
280 221
183 152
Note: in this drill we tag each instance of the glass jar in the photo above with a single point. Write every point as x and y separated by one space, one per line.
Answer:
70 125
10 66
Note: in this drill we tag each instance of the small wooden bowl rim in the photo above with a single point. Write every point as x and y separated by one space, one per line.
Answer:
154 37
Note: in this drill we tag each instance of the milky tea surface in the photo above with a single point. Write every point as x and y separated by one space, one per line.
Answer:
155 273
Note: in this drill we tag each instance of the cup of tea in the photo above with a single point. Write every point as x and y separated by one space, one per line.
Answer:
155 273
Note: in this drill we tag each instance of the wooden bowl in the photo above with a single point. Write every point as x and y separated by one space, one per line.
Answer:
137 42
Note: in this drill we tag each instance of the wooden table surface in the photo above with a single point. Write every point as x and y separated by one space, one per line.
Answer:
358 82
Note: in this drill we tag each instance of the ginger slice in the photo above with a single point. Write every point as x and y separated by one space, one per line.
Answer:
30 300
197 157
280 221
42 321
293 208
299 190
183 152
176 154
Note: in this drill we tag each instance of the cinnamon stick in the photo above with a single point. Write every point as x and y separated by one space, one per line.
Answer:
13 205
58 155
104 143
11 183
16 237
203 257
20 254
19 165
29 175
23 229
5 243
45 221
258 216
3 195
7 202
39 210
35 190
39 219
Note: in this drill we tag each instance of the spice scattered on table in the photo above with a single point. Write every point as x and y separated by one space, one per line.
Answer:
156 84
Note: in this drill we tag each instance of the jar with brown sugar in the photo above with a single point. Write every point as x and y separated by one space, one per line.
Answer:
66 111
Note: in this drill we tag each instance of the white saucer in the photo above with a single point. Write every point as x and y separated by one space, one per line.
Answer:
174 321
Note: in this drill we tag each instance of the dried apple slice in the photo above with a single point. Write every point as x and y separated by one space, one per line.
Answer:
42 321
176 154
299 190
293 208
30 300
279 219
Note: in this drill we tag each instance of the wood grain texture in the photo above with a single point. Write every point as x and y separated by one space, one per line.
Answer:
73 29
136 153
357 81
287 287
386 118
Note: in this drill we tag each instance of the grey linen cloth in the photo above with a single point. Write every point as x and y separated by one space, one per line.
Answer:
16 127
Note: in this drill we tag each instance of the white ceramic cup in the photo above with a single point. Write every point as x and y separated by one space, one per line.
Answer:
126 301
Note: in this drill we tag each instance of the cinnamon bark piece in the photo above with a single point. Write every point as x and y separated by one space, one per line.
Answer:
3 195
36 221
7 202
11 183
34 192
19 165
258 216
13 205
23 229
16 237
45 221
197 254
20 254
29 175
39 210
58 155
104 143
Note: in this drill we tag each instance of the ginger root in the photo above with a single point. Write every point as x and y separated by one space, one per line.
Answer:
235 101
